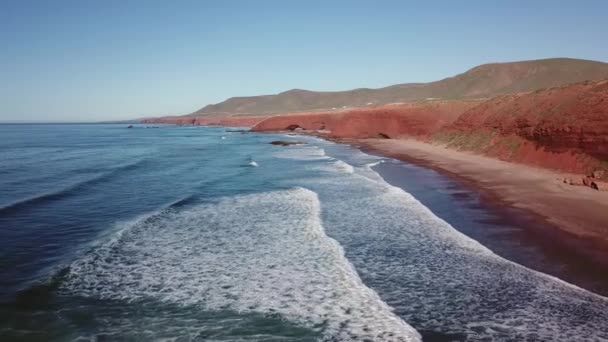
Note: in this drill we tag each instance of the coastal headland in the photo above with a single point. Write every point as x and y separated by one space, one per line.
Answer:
542 149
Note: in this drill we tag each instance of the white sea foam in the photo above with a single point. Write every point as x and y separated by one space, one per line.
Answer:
302 152
344 167
264 253
438 279
370 165
268 253
368 172
116 232
334 165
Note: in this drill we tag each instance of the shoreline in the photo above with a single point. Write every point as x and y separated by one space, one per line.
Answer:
564 250
578 210
577 247
532 201
515 193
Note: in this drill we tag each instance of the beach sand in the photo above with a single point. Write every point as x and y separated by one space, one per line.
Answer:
537 220
578 210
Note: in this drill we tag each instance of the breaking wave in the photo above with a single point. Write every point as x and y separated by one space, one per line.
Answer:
273 257
440 280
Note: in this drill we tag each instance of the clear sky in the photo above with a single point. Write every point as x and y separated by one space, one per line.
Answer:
99 60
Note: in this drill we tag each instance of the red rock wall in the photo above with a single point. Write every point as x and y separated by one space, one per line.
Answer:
416 119
563 128
564 118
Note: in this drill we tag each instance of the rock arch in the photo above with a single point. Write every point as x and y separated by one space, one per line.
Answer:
293 127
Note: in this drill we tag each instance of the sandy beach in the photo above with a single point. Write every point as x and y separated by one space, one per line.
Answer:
575 209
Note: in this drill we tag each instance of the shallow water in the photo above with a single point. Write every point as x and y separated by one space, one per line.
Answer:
172 232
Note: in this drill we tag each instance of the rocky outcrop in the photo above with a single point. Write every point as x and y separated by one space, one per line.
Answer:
286 143
599 185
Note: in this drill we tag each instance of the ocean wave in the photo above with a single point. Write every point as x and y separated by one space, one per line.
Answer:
441 280
344 167
302 152
370 165
273 257
332 166
67 191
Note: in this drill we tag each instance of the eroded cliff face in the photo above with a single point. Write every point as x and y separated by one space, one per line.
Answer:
411 119
564 128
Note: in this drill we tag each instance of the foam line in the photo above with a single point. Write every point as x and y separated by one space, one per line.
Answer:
439 279
273 257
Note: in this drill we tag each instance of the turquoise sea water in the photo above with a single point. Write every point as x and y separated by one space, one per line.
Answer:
200 233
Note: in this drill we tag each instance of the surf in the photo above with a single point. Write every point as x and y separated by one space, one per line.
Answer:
274 257
440 280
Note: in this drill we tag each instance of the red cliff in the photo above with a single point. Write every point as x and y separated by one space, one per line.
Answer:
562 128
410 119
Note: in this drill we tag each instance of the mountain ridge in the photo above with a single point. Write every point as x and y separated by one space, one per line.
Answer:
483 81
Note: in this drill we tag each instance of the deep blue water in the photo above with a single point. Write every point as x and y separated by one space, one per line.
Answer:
199 233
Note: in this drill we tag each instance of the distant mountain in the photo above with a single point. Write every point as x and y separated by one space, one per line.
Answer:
480 82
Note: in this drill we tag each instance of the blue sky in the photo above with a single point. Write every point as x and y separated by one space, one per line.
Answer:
100 60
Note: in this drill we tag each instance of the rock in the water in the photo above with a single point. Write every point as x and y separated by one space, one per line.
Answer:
286 143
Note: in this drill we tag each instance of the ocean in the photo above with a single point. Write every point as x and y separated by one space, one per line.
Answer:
181 233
